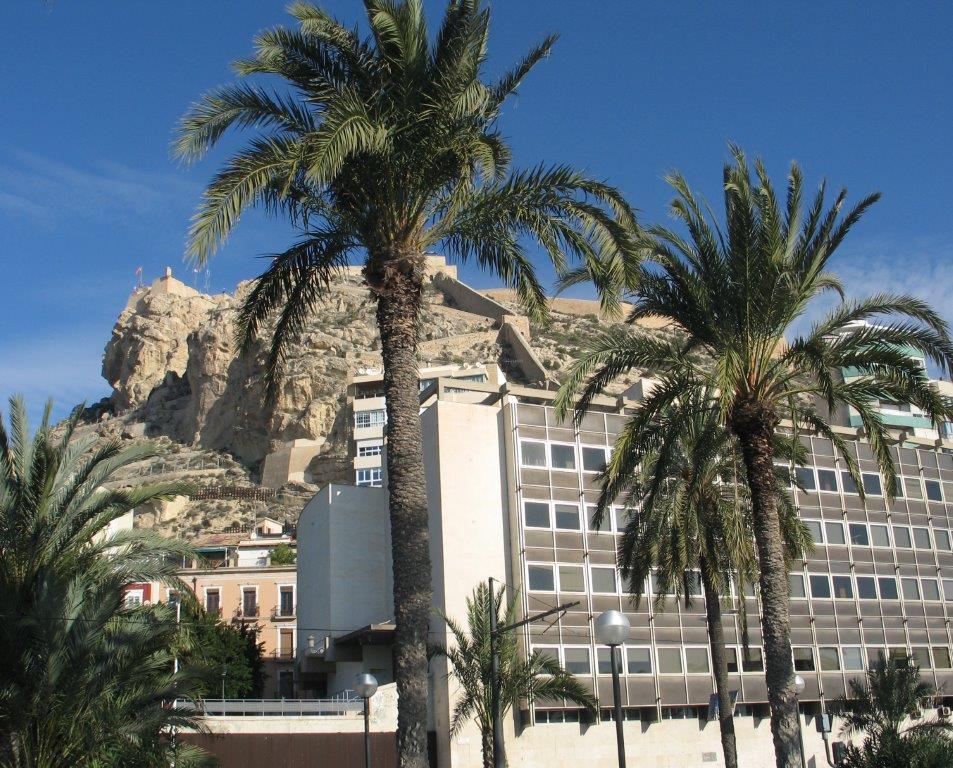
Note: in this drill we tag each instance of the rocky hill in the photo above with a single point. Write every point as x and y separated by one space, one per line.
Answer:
178 376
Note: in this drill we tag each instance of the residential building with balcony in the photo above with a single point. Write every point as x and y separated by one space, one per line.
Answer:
510 495
365 396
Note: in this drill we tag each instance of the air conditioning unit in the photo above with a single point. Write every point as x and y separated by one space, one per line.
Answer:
944 712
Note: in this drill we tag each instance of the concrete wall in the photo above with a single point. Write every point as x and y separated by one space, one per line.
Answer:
466 298
344 568
521 351
289 462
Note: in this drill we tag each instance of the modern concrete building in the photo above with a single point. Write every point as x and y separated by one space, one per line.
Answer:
510 491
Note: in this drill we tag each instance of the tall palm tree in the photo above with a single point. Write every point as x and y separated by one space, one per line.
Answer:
687 509
886 709
536 677
81 676
378 150
734 295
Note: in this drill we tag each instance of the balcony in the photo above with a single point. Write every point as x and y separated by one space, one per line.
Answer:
283 613
214 611
284 654
245 612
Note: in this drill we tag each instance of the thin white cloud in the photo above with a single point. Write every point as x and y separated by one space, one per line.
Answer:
33 185
64 367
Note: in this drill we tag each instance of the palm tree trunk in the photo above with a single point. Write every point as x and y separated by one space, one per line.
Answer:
755 430
486 742
398 307
716 639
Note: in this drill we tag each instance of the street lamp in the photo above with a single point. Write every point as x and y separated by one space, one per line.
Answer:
798 690
365 685
612 629
224 675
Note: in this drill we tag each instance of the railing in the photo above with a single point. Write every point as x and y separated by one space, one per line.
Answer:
334 707
241 613
284 655
279 614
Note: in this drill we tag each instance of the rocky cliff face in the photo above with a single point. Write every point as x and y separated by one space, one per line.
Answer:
176 369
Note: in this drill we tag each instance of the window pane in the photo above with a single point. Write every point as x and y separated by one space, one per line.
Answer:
669 661
564 456
827 479
931 589
541 578
901 537
820 587
639 661
593 459
921 538
848 482
577 661
866 588
921 657
605 526
731 658
567 516
571 579
696 661
536 514
693 583
948 590
548 652
814 528
830 661
880 535
835 533
875 655
532 454
843 588
752 660
603 580
858 535
603 656
913 487
796 585
933 490
872 484
911 589
853 659
888 588
805 478
941 657
804 659
942 539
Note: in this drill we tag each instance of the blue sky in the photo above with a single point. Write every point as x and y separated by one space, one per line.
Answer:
859 93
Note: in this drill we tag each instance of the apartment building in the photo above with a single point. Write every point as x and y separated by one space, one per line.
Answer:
365 396
234 579
510 491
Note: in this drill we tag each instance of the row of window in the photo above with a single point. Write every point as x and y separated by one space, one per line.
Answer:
374 418
832 481
832 532
571 578
694 660
370 447
370 478
249 601
562 515
539 454
846 587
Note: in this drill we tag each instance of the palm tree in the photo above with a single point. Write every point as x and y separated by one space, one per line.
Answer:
732 295
886 710
536 677
687 509
81 676
379 150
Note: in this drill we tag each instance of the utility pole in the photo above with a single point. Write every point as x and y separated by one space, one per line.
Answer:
495 682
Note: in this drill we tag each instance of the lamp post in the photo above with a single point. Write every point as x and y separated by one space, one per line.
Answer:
612 629
798 690
224 675
365 685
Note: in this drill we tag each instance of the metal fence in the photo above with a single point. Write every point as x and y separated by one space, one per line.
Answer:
337 706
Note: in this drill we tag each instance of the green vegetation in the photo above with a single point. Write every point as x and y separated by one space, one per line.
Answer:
887 712
84 680
538 677
379 150
283 554
218 647
687 508
736 294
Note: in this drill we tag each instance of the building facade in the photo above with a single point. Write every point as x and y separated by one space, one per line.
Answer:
510 495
